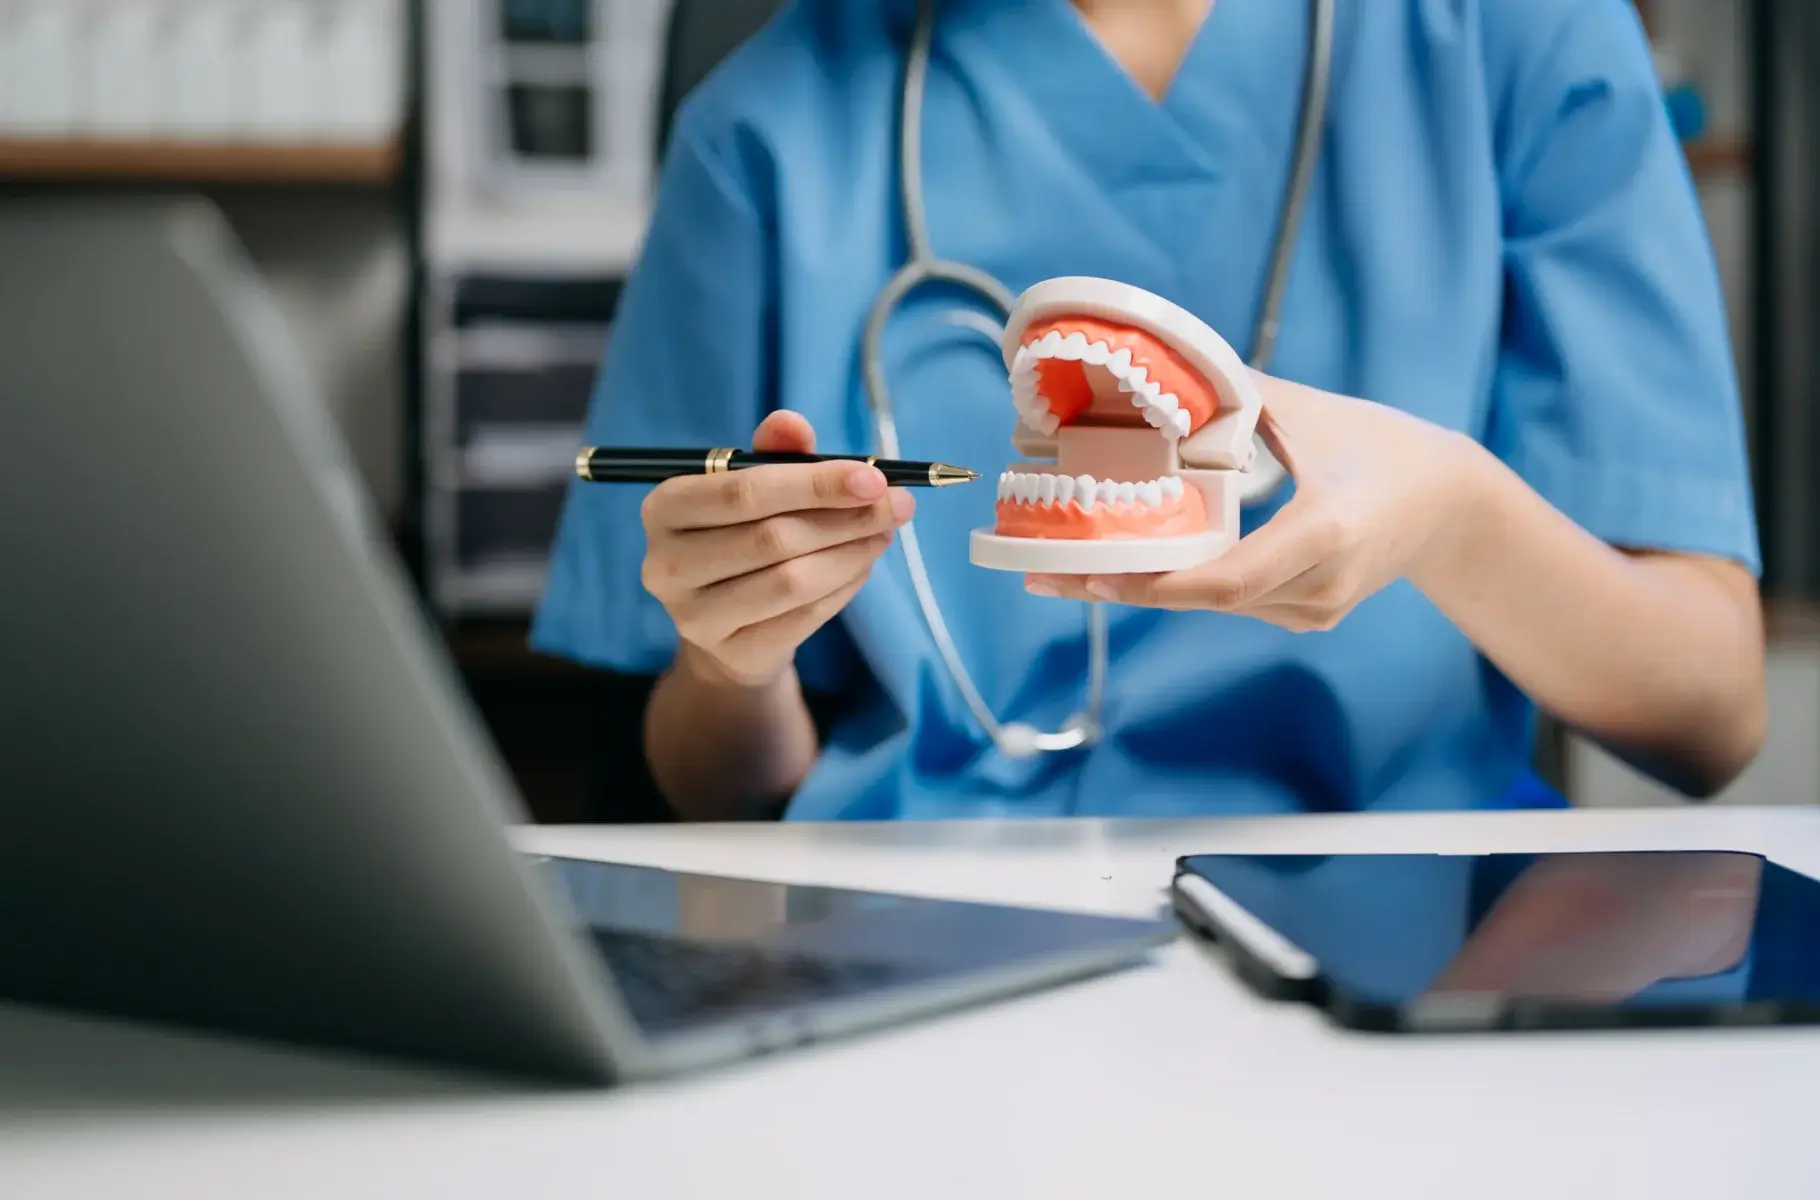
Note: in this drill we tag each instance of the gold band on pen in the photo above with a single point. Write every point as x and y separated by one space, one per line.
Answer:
943 475
718 461
584 466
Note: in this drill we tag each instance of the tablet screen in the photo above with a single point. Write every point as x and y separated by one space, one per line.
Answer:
1632 931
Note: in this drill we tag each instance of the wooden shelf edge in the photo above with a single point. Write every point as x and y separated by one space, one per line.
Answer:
81 160
1713 156
1791 622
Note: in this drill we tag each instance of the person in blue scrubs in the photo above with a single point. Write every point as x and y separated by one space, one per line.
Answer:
1504 391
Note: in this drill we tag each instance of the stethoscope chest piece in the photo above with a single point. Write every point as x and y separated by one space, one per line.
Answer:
1021 741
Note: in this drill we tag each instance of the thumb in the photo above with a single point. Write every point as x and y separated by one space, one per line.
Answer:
784 432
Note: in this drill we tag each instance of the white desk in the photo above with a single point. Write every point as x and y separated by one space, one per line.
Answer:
1164 1079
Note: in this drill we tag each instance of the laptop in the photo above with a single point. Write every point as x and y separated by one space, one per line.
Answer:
244 791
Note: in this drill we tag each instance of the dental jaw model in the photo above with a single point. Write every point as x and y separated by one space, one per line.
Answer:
1138 420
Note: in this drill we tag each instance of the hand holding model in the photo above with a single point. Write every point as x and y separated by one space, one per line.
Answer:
1379 494
750 563
1140 419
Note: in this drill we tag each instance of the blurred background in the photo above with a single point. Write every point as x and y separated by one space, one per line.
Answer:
443 196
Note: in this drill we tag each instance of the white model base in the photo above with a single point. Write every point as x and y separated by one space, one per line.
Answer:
1105 556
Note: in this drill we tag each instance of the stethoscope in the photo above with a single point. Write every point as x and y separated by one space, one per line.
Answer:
1018 739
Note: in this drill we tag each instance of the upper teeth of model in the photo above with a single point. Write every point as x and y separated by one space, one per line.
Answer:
1085 490
1161 409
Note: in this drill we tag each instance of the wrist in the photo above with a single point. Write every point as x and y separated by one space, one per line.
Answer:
723 748
1467 512
702 668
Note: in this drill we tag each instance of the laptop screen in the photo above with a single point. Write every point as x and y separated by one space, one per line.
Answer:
685 950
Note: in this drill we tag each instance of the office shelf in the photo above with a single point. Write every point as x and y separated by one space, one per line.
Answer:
73 160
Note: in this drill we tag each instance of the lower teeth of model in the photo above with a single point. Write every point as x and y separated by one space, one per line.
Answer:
1085 490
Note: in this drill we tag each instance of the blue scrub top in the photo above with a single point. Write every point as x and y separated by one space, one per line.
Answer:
1502 238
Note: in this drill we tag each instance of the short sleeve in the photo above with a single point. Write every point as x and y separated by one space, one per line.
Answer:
688 363
1616 391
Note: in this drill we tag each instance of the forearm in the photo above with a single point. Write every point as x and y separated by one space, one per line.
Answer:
720 751
1659 658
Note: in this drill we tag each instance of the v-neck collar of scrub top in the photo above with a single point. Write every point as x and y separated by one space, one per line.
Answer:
1231 107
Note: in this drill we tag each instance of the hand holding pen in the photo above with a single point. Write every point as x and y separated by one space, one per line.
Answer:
750 562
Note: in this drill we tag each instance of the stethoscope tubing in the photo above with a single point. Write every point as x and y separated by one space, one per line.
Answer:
1017 739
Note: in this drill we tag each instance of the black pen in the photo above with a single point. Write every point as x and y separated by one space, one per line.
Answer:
620 464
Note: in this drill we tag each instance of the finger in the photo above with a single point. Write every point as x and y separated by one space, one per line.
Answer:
1312 590
698 558
784 432
723 608
738 497
792 628
1296 618
1295 541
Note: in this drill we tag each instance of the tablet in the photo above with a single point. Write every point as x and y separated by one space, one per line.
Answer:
1432 942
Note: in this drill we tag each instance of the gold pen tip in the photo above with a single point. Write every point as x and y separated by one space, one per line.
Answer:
943 475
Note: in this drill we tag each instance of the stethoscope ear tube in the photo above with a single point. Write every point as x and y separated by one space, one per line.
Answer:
1267 473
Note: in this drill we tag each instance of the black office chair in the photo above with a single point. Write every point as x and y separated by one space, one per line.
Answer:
701 34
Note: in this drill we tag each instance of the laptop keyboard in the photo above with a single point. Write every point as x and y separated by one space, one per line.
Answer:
669 982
